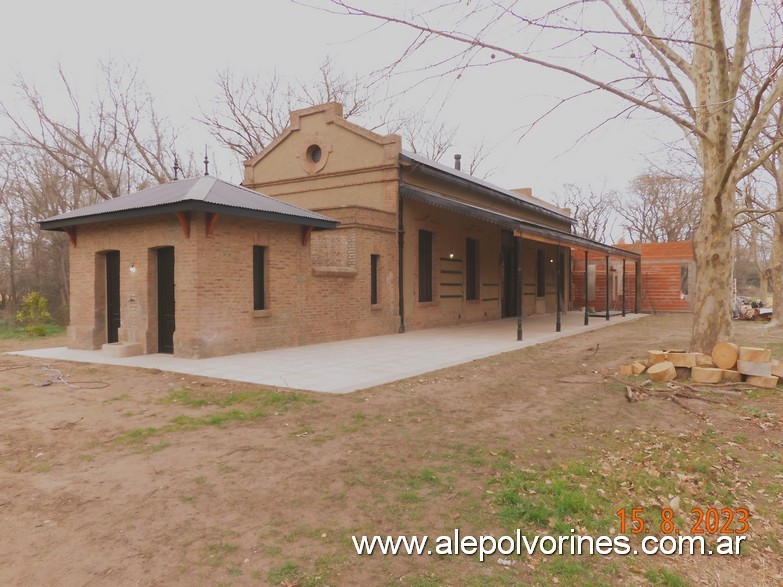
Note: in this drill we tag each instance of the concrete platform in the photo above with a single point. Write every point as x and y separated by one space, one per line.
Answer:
350 365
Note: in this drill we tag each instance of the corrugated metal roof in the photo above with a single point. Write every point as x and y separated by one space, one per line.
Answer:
198 193
512 223
544 207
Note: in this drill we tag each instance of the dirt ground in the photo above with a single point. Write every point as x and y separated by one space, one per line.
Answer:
126 476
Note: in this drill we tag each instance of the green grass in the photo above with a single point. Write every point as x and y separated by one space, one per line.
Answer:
136 435
259 404
267 399
588 493
288 571
18 333
665 578
215 554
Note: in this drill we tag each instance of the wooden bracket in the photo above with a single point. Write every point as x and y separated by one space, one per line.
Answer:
306 231
212 218
184 221
71 232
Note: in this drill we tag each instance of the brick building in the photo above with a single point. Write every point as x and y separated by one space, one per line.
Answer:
343 235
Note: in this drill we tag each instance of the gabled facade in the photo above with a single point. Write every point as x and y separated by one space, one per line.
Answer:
336 232
452 248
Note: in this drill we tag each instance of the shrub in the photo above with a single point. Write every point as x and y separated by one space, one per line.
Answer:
34 314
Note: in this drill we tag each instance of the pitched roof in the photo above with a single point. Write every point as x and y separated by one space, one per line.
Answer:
204 194
454 175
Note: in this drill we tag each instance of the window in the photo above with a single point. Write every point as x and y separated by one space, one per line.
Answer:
259 278
471 269
314 153
425 266
540 273
683 282
374 259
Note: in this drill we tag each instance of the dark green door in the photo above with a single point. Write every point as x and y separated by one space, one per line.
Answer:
112 296
166 324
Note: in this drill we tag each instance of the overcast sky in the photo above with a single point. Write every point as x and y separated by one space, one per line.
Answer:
179 46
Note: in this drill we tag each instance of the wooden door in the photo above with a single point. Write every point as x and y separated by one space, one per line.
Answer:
166 324
112 296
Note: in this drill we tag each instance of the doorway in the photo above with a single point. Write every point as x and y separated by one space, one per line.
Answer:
166 324
112 296
508 253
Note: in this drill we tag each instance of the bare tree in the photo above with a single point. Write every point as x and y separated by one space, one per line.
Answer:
675 60
660 208
774 168
53 162
249 112
117 144
755 235
591 209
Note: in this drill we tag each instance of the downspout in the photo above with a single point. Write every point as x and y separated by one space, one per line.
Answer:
400 243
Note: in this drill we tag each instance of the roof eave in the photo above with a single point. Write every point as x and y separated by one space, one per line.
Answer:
466 182
188 206
523 226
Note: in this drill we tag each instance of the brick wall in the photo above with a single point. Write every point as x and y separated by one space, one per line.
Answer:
214 287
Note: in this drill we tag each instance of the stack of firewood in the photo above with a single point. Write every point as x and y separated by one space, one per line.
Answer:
727 363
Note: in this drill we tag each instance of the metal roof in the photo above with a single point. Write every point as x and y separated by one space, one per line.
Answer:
205 194
523 226
532 204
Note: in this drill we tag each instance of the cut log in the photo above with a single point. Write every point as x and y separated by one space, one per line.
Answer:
731 376
753 368
654 357
638 368
757 355
706 375
662 371
769 382
703 360
681 359
777 368
626 370
725 355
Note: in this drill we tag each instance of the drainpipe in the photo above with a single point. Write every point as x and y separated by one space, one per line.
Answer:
607 287
557 289
400 243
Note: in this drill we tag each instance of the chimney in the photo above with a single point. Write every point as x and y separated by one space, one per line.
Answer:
457 158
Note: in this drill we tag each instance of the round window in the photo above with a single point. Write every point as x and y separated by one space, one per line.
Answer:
314 153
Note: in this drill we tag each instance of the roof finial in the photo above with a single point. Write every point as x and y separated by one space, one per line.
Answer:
177 168
206 161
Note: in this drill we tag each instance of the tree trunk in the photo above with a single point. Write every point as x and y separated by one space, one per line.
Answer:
714 251
713 241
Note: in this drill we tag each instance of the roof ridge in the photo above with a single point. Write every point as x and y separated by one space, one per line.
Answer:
200 190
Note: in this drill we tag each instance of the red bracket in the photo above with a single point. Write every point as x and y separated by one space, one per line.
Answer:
71 232
184 222
212 218
306 231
